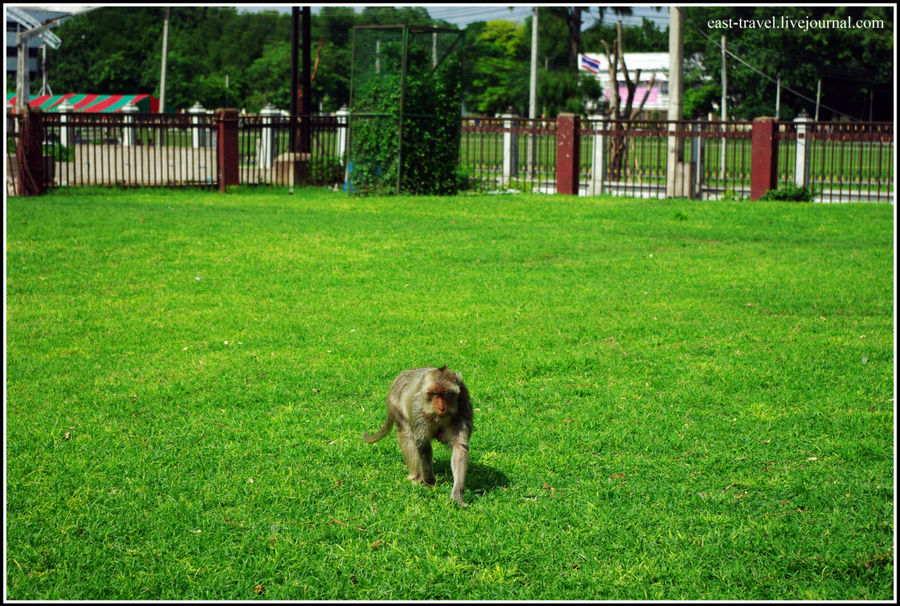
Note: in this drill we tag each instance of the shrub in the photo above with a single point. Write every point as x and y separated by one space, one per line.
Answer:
405 130
790 193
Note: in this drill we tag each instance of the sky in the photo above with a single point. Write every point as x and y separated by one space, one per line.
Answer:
459 14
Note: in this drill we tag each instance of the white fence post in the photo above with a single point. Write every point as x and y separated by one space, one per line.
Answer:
128 129
598 157
697 161
510 148
343 116
198 135
267 142
801 164
66 136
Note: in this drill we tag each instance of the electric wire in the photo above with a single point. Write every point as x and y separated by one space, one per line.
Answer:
764 75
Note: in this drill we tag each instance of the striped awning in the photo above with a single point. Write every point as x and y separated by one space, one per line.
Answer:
90 103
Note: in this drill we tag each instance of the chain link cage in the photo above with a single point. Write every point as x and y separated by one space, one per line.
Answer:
405 110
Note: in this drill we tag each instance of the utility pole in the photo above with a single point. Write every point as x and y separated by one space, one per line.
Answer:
23 38
675 149
295 82
818 98
724 108
306 105
23 86
45 85
724 83
162 75
532 90
778 98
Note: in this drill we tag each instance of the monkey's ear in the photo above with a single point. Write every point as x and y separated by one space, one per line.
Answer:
458 376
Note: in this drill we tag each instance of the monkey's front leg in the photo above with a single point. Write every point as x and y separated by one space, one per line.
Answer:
426 456
458 462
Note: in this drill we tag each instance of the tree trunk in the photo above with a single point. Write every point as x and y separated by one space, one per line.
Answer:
618 143
573 19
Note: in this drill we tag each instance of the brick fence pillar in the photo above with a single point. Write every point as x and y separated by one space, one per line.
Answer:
229 171
764 157
567 154
29 153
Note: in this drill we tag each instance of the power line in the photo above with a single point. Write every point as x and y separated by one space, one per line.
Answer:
768 77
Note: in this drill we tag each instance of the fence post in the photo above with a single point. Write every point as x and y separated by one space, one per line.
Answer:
567 154
343 128
697 162
267 142
598 158
198 134
29 153
128 131
764 157
510 147
227 150
801 164
66 135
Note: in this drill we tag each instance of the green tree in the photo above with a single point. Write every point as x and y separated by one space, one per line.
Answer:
104 52
855 63
561 88
496 75
334 26
219 57
646 38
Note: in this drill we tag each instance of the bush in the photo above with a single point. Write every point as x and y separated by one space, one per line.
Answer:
405 131
790 193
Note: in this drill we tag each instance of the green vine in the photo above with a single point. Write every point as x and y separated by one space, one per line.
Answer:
405 132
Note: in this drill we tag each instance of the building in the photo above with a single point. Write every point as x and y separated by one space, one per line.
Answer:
650 64
20 19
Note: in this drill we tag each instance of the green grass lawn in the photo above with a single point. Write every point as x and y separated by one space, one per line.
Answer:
674 399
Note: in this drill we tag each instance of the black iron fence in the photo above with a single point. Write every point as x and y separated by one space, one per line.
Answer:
129 150
508 153
630 157
265 143
839 162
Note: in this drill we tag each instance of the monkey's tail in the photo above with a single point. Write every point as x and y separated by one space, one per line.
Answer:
388 424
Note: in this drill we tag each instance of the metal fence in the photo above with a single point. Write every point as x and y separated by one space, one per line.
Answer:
630 158
171 150
264 144
509 153
840 162
11 166
179 150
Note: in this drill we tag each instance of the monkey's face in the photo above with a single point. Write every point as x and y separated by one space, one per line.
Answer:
442 400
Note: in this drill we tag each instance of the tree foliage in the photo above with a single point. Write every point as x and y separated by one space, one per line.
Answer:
496 74
855 63
219 56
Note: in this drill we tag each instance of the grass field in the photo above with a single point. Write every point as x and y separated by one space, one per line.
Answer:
674 399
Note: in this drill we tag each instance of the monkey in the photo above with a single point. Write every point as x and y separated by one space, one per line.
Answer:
430 404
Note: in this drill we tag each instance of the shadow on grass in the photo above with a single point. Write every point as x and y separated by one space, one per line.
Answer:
479 478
